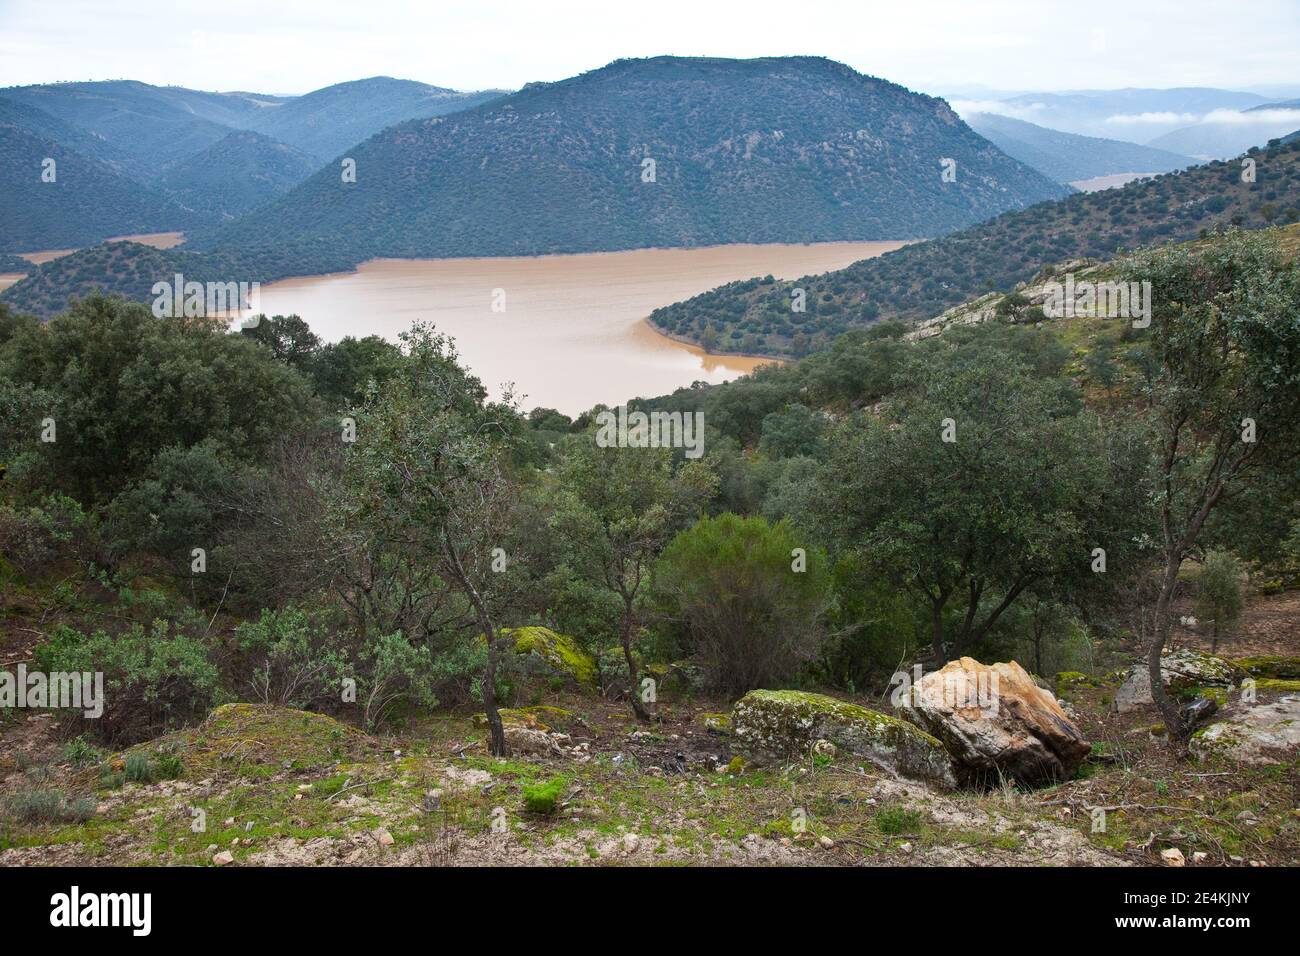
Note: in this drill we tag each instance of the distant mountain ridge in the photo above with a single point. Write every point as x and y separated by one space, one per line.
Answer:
145 142
1069 157
667 151
328 121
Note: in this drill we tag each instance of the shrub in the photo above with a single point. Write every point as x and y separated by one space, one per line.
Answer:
33 538
39 805
752 605
81 753
153 679
295 660
543 797
138 768
895 819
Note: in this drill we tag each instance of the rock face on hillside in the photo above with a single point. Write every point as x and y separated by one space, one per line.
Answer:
1255 733
776 724
996 722
1182 670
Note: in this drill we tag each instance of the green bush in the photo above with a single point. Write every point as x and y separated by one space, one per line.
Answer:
39 805
293 659
755 618
154 679
139 769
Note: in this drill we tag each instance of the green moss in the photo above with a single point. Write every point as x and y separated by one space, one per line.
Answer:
543 797
558 650
1277 686
1286 668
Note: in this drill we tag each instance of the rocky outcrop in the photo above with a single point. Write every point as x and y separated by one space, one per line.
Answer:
778 724
1183 671
997 722
1257 733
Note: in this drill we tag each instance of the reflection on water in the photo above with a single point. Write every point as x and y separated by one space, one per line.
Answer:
573 332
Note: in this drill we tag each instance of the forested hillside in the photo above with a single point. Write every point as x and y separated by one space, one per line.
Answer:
667 151
921 280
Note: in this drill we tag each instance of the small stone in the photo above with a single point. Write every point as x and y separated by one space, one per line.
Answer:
1199 856
905 847
229 822
383 836
1173 856
222 858
825 842
630 842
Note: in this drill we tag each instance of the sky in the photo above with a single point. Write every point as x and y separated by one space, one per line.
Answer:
950 47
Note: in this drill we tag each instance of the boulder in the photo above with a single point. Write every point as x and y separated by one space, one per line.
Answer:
1183 671
1256 733
997 722
778 724
555 657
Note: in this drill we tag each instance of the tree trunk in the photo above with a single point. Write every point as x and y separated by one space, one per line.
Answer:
497 731
634 690
1168 708
936 634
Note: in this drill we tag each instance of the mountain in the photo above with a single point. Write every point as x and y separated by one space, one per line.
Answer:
152 126
797 149
1232 134
87 200
1133 115
1068 157
923 279
237 173
46 126
328 121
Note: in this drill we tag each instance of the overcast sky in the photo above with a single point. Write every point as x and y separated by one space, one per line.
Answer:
937 46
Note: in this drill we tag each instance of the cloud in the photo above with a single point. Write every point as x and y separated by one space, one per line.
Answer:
1219 116
1020 111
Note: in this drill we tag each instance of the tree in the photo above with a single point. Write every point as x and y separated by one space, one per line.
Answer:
1218 594
1224 395
616 510
429 473
753 595
980 482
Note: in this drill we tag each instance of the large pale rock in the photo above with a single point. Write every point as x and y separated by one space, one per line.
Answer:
996 722
1182 670
1256 733
777 724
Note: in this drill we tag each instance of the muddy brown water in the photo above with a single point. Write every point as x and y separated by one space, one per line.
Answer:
573 332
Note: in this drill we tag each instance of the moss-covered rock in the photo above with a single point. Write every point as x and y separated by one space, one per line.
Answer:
557 653
776 724
719 724
1284 668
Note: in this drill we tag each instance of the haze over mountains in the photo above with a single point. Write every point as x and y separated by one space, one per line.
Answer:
1068 157
1199 122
